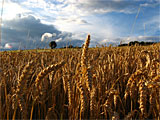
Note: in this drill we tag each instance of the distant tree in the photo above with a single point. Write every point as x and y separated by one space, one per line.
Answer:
149 43
122 45
142 43
132 43
136 43
52 44
70 46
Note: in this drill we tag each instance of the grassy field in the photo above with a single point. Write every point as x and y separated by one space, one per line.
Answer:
100 83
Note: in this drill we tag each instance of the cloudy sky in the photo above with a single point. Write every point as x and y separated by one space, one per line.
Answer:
24 22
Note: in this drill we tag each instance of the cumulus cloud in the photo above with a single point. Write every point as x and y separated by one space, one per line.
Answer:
47 36
10 46
25 30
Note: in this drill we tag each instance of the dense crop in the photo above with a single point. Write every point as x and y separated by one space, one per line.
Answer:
102 83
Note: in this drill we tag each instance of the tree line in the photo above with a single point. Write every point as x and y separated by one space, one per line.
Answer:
133 43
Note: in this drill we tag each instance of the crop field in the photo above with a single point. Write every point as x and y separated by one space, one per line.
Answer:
86 83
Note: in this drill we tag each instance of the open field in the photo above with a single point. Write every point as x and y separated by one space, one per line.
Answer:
102 83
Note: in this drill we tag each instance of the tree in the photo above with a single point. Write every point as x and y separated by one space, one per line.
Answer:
52 44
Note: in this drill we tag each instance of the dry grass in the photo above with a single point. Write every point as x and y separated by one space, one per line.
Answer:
97 83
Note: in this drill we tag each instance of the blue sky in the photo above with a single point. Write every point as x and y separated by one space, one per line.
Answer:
108 22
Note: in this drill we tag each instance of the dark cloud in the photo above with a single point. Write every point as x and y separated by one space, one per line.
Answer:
26 25
26 32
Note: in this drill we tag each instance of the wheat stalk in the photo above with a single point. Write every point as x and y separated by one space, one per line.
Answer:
82 99
115 116
129 116
109 102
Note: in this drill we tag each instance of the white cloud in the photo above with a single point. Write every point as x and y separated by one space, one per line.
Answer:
7 46
150 5
58 40
72 20
47 36
11 9
79 35
35 3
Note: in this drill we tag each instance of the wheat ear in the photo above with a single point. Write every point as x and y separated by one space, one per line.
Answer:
84 52
69 93
130 84
143 97
45 72
88 78
86 70
22 88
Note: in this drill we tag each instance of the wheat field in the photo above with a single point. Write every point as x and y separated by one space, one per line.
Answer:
88 83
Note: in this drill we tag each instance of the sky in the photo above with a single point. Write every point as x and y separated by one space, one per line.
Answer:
31 24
